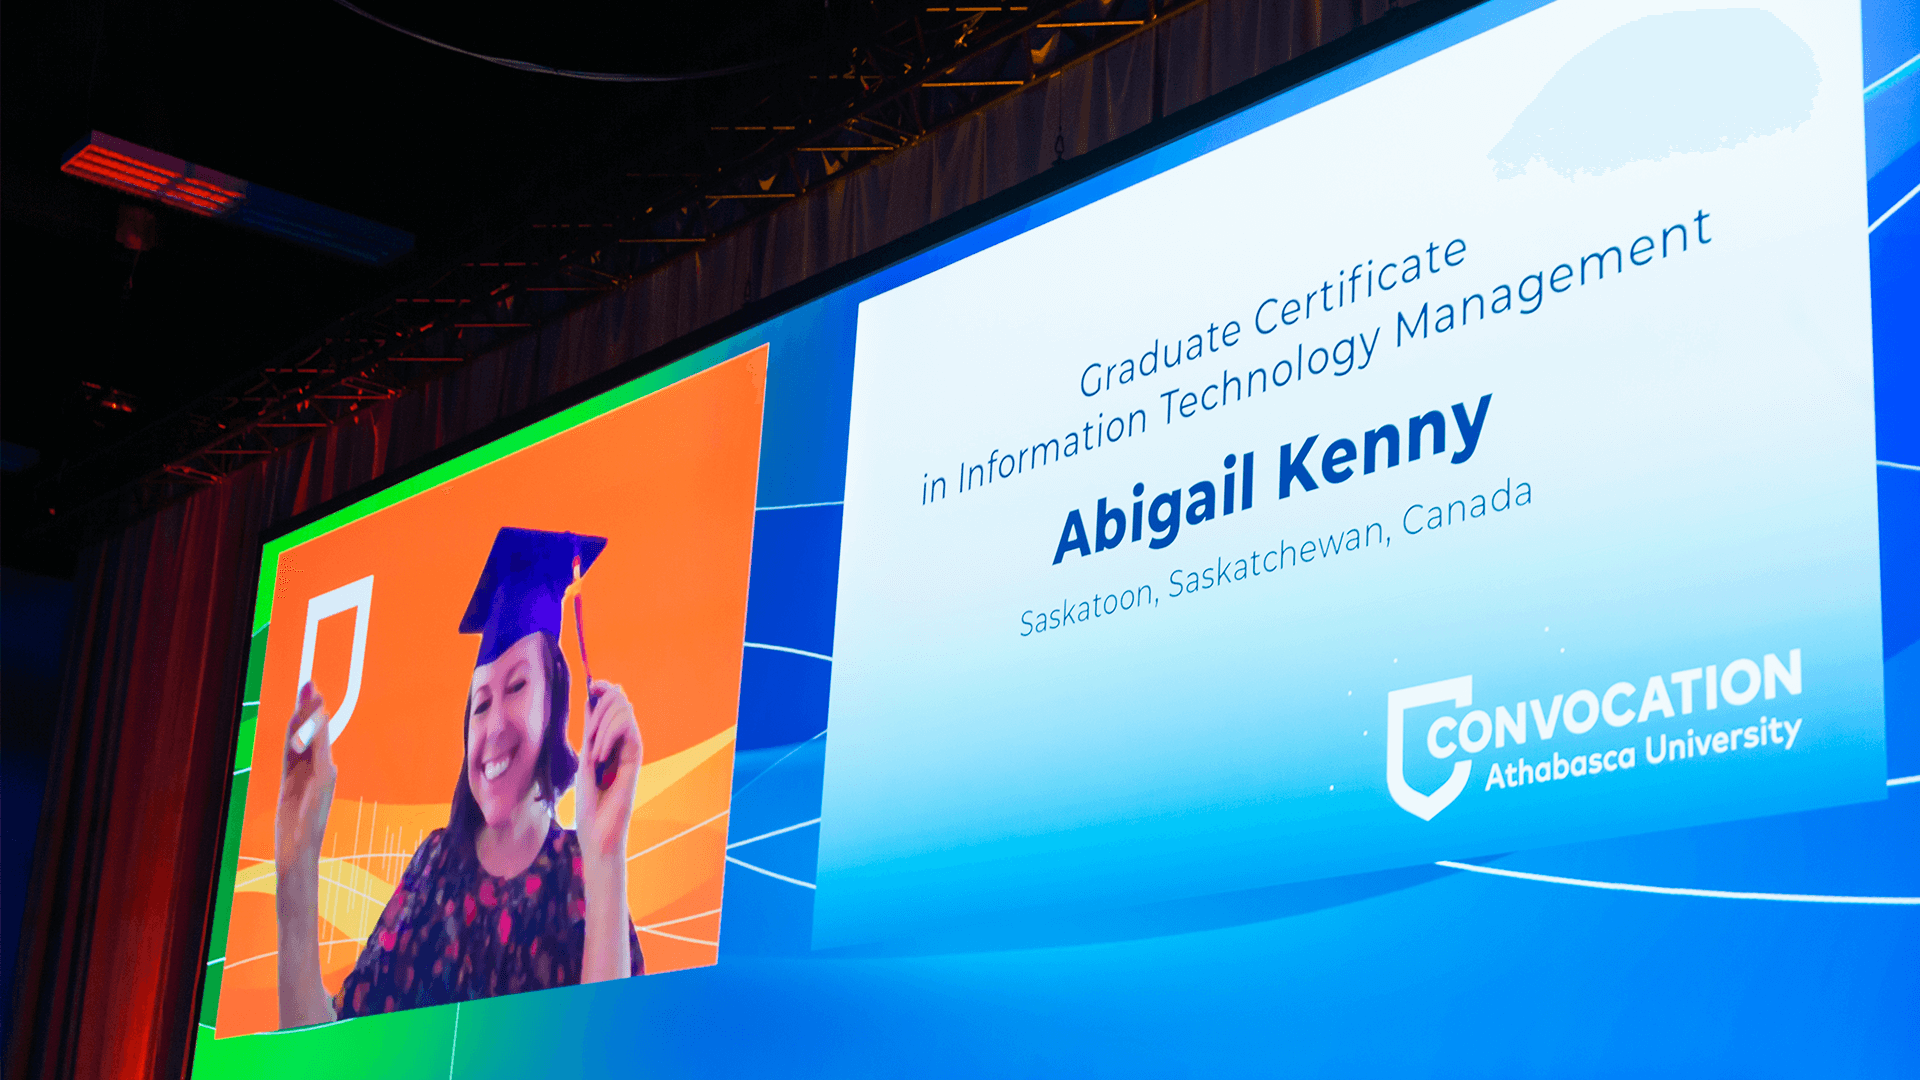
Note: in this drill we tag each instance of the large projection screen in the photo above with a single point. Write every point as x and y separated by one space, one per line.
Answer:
1425 555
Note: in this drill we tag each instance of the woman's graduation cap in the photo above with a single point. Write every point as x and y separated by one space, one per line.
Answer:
522 584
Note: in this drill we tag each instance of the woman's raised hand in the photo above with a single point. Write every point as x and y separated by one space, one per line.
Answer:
600 820
306 794
306 786
613 735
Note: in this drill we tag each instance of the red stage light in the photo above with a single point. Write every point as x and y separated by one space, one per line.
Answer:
150 174
136 170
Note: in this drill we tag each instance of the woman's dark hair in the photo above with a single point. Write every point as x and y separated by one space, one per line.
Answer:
553 772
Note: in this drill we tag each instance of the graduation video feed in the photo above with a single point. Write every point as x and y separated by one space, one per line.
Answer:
496 721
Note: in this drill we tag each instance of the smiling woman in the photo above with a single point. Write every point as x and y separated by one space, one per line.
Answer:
486 816
502 899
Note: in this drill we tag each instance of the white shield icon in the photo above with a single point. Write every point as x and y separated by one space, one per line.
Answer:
1458 691
358 598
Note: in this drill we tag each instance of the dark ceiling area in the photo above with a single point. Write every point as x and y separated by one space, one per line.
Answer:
98 342
146 353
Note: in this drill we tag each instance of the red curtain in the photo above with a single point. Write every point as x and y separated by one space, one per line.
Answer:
113 935
131 819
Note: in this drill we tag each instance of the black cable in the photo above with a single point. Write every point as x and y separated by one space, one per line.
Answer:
542 69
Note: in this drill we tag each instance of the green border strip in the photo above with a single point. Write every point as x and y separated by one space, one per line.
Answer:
559 423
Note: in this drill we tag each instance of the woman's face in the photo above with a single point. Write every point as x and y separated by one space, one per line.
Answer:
506 720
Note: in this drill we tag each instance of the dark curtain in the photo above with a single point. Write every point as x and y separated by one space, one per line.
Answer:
113 935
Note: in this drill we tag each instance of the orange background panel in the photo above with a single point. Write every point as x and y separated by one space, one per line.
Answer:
669 481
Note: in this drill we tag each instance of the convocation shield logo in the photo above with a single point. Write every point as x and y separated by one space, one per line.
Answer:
356 597
1423 806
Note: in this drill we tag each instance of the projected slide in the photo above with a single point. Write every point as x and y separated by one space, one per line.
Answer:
1414 541
1480 460
569 581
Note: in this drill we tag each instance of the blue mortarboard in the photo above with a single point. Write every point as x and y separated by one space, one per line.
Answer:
520 589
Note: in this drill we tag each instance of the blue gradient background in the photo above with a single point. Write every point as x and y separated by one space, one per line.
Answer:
1424 971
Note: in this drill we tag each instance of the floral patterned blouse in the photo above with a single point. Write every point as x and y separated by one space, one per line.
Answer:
454 932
